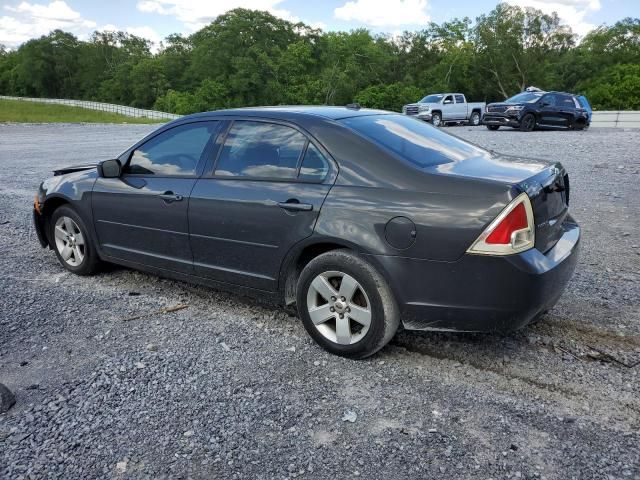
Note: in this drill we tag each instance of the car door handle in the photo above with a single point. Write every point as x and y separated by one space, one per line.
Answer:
170 197
295 206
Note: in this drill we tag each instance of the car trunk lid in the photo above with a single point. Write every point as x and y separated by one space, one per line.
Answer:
549 195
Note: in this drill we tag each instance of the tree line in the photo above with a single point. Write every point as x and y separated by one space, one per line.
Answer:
248 57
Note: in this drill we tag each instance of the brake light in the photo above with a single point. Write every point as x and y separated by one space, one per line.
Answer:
511 232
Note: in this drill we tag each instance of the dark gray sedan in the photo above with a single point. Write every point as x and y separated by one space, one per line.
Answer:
361 218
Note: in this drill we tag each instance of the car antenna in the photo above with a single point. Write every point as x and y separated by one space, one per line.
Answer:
354 106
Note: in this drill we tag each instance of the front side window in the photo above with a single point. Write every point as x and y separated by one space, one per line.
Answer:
448 99
174 152
262 150
413 140
549 100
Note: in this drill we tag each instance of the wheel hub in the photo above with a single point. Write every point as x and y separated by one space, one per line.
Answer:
340 306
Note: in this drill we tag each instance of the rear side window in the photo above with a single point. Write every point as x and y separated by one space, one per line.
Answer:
259 149
314 166
459 99
174 152
566 101
413 140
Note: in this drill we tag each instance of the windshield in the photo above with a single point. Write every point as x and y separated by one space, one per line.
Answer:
413 140
525 97
432 98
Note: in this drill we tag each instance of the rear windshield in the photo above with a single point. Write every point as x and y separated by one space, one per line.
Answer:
584 102
413 140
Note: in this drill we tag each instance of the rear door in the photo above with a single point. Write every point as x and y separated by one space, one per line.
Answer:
261 197
567 109
448 107
550 112
142 216
460 110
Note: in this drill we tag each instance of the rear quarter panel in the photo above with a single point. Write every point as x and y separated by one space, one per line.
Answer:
446 224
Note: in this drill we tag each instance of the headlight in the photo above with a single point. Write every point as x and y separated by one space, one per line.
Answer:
424 108
515 108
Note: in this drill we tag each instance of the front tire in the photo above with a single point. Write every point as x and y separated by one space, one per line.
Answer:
493 127
528 123
436 119
345 305
72 243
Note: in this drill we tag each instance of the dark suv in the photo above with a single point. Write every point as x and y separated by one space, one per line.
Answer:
530 110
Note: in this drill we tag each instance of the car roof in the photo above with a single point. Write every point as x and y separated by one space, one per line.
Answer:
288 111
554 91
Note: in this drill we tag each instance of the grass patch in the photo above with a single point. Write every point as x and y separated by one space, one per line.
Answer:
31 112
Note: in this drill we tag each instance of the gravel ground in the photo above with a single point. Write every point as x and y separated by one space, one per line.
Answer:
229 388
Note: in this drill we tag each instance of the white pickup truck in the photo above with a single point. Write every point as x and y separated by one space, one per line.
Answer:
443 108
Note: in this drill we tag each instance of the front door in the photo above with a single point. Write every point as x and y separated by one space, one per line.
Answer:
142 216
263 197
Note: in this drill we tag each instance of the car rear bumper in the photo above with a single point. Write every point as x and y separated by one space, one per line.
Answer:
500 120
482 293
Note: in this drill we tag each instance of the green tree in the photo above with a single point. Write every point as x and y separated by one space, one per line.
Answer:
388 97
247 57
617 87
515 48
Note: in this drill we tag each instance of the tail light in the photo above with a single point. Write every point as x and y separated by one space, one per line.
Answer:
511 232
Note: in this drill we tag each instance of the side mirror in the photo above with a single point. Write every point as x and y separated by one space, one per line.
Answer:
110 168
446 102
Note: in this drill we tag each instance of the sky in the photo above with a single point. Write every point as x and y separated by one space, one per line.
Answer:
21 20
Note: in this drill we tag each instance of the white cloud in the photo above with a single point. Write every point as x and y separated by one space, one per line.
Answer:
571 12
381 13
28 20
148 33
195 14
318 25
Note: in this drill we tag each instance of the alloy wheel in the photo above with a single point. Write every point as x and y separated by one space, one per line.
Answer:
528 122
339 307
69 241
436 120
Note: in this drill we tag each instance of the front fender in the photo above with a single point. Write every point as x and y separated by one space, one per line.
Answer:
73 189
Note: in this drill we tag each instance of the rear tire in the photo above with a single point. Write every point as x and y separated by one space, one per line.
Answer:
70 240
493 127
474 119
345 305
579 125
528 123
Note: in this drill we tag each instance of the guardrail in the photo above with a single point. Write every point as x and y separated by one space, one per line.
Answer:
619 119
104 107
622 119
